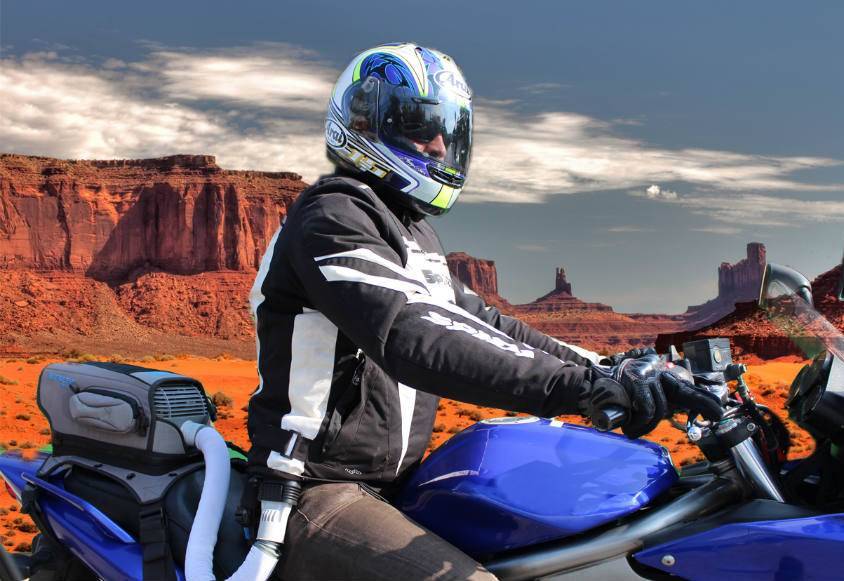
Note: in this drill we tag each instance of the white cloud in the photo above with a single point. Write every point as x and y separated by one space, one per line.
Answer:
628 229
654 192
726 230
266 75
262 107
55 108
526 160
764 210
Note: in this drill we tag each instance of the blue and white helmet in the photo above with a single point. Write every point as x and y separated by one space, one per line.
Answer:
402 114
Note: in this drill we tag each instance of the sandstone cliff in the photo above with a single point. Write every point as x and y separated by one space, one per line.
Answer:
130 256
737 283
751 332
478 274
595 326
111 220
560 314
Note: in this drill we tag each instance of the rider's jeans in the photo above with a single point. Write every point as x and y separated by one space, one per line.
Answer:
342 532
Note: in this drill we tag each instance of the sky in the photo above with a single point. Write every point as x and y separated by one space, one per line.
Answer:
637 144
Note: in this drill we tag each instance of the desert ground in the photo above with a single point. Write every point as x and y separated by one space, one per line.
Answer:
230 381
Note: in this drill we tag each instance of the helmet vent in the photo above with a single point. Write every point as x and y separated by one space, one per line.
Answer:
455 181
179 401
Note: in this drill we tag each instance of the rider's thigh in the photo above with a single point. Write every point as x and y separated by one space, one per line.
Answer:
341 532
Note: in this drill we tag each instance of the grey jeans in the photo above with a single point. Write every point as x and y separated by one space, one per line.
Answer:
342 532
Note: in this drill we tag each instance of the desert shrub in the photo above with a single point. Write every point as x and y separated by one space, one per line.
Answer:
147 359
117 358
439 428
44 431
221 399
475 416
17 521
164 357
511 414
3 511
463 412
33 360
11 360
71 354
224 356
454 429
26 445
27 527
13 442
24 417
7 381
24 547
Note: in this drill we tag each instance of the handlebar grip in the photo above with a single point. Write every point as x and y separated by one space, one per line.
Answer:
609 418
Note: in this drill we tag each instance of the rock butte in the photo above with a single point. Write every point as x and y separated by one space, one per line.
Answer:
158 255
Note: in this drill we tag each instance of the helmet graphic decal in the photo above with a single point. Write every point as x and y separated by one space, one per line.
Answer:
403 114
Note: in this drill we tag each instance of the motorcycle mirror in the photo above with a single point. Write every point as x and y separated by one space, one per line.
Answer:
779 280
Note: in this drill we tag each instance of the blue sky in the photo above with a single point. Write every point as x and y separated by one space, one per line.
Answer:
638 144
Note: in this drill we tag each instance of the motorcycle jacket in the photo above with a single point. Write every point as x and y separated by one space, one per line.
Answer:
361 329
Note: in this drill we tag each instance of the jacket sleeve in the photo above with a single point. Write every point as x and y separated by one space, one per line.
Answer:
357 280
473 304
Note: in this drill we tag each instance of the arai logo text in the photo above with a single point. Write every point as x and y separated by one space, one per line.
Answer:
454 82
334 134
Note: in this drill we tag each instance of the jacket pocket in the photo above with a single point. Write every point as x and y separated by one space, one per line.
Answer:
356 435
347 408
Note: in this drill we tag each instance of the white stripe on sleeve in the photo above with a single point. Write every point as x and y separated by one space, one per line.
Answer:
456 310
585 353
333 273
370 256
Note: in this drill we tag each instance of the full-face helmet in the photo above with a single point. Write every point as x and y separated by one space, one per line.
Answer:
401 114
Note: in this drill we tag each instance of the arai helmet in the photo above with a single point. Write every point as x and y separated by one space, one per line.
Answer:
402 114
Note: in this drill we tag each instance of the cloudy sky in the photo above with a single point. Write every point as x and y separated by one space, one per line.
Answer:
638 144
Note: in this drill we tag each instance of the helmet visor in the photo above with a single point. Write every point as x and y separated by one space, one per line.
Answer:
438 130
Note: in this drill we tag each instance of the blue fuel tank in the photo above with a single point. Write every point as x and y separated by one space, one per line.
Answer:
507 483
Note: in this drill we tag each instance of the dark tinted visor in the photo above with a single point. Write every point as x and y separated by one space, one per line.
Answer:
434 129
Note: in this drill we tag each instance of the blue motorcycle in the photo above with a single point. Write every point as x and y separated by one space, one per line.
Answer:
536 498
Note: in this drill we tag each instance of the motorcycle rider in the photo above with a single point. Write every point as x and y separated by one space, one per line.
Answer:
361 328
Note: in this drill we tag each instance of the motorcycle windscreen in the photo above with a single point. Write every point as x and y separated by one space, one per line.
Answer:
801 322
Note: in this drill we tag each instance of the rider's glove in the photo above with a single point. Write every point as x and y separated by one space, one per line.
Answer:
645 392
634 353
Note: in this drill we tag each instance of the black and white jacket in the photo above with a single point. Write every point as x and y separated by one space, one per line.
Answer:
361 329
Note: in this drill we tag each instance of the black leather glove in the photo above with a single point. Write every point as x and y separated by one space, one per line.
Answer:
647 392
634 353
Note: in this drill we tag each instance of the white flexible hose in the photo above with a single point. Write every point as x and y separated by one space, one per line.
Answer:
199 558
258 566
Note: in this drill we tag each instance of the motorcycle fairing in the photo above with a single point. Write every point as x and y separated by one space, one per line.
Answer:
514 482
804 549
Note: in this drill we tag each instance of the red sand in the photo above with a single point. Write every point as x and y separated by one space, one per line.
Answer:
23 427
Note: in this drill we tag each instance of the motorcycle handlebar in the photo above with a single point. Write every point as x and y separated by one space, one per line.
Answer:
609 418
